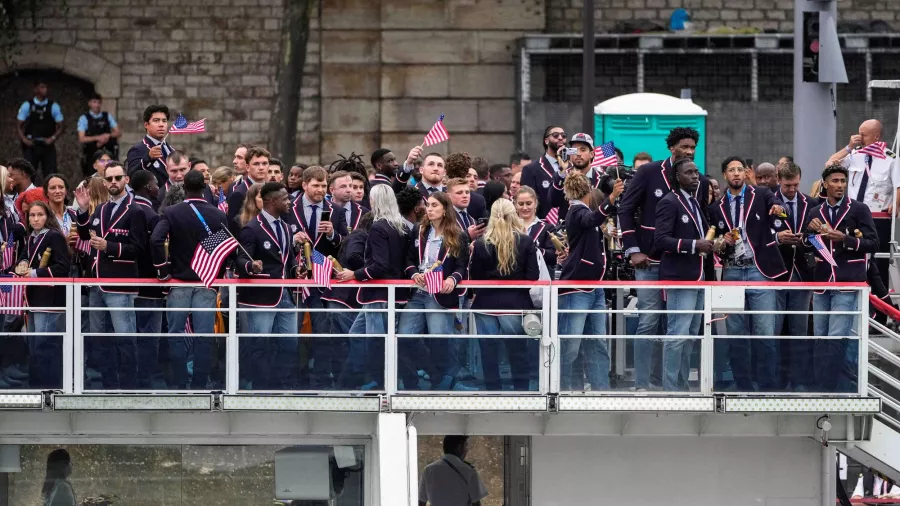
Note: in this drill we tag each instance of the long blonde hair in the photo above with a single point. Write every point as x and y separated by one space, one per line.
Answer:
97 191
503 227
249 210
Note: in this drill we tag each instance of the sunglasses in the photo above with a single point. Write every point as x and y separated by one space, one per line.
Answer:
110 179
558 135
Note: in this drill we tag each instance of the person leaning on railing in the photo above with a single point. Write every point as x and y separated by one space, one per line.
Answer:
504 253
847 231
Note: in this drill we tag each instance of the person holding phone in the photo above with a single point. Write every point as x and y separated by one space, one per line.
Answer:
582 147
460 195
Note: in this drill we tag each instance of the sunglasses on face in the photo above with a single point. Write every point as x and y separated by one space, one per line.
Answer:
110 179
558 135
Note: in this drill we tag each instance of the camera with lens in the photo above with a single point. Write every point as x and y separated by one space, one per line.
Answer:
608 180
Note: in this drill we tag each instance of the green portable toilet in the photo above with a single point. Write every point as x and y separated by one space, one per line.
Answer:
641 121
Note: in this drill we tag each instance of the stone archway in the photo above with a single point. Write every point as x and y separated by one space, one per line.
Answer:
73 74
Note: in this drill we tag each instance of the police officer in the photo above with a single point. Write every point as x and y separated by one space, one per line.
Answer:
150 153
40 125
539 173
579 162
97 129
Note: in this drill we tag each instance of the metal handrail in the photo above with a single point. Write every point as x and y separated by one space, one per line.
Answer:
884 353
884 330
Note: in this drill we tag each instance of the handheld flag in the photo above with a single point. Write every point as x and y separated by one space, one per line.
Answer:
437 134
211 254
605 155
222 203
12 296
322 268
9 256
434 280
816 241
553 216
181 126
875 149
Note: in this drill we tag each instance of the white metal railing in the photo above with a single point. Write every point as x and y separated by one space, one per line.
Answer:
715 295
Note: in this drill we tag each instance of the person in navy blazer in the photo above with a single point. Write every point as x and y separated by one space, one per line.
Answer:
117 231
437 239
797 369
385 258
586 262
267 253
181 226
340 184
836 220
539 231
43 233
257 159
457 167
151 151
637 221
539 173
756 213
680 240
579 162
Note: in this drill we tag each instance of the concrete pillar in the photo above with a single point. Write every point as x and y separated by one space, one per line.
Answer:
391 443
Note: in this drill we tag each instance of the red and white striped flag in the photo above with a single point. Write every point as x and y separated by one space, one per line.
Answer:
605 155
434 280
437 134
816 241
875 149
210 254
181 126
9 256
12 296
322 267
553 216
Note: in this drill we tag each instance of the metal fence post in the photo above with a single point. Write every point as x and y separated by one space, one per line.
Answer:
707 345
555 346
232 346
862 360
390 345
68 345
77 358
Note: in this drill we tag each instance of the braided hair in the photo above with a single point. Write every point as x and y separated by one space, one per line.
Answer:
353 163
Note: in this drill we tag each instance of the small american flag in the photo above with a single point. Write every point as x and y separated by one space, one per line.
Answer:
9 256
83 246
605 155
553 216
434 280
12 296
816 241
210 254
223 203
181 126
875 149
438 133
322 267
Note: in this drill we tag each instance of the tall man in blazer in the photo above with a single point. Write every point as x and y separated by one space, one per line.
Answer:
184 225
837 220
151 151
685 255
117 231
267 253
539 173
754 213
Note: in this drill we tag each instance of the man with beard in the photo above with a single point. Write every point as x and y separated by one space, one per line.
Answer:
539 173
580 162
433 173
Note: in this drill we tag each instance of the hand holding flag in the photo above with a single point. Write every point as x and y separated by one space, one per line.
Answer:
876 149
816 241
605 155
434 279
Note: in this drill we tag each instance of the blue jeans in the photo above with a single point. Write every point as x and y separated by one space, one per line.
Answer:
835 359
45 352
677 352
117 361
436 356
202 322
148 322
516 350
596 355
359 364
646 351
800 372
326 352
276 354
745 353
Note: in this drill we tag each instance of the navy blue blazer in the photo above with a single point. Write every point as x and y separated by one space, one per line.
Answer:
424 191
557 197
637 207
849 255
260 241
235 201
587 249
538 175
60 263
483 266
353 257
760 227
793 256
179 223
385 259
398 182
298 222
126 240
540 234
356 212
146 269
12 232
138 158
453 266
676 230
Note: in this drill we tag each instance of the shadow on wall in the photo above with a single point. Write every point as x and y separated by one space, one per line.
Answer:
71 93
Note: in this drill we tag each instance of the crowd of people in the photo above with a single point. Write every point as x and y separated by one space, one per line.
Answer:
559 216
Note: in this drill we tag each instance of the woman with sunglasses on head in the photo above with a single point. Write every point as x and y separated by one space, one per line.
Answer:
503 253
437 240
46 255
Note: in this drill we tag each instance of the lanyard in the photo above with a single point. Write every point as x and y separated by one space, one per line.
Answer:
200 216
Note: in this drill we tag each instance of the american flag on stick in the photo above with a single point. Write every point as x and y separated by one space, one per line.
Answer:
553 216
434 280
437 134
12 296
210 254
875 149
9 256
605 155
223 203
816 241
322 267
181 126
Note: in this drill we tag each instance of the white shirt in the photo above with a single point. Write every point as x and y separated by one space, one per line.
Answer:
884 178
442 486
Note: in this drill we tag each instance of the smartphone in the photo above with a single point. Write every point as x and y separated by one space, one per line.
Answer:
326 216
749 162
482 222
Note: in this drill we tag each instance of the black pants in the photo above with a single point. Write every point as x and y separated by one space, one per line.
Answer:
42 157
